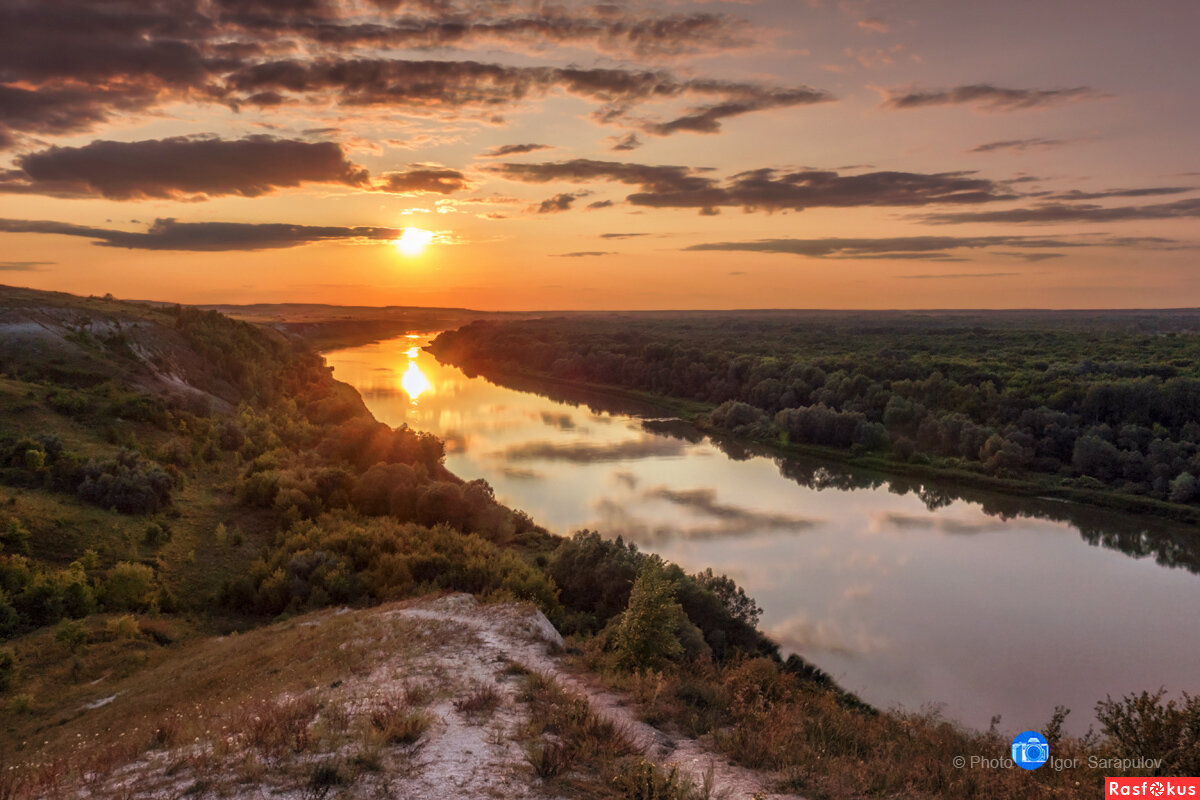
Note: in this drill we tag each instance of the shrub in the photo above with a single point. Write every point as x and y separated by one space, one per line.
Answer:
126 484
1143 725
129 587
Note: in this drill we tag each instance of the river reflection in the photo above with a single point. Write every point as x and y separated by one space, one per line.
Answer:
907 593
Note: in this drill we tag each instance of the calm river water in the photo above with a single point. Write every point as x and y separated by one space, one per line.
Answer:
909 595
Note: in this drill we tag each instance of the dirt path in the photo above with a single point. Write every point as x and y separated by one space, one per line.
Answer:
426 655
528 638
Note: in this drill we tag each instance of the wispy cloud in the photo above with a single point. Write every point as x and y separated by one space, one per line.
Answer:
169 234
986 96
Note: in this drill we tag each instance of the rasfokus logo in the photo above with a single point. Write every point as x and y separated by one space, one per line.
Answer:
1151 787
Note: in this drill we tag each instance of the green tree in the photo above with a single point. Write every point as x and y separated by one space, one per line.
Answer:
647 636
129 587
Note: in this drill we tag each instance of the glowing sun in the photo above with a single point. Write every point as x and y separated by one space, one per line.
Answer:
413 241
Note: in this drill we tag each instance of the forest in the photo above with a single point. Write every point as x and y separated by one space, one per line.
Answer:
1080 402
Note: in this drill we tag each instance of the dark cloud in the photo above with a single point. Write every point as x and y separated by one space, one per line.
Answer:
589 452
563 422
600 204
762 189
431 86
1021 145
612 30
986 96
24 266
741 100
586 253
560 202
169 234
52 111
514 150
625 143
433 180
69 65
180 168
622 235
1074 212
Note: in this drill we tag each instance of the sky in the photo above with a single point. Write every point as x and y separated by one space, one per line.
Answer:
518 155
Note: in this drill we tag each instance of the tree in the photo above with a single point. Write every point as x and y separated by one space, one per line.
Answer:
1184 489
647 636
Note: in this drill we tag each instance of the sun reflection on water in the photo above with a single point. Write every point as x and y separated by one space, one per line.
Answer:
414 382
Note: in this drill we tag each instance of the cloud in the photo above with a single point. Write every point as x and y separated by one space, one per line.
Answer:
70 65
514 150
1074 212
873 24
888 247
24 266
448 86
622 235
600 204
606 28
762 189
586 253
519 474
986 96
616 519
956 275
169 234
180 168
800 634
560 202
424 179
630 141
561 421
590 452
52 111
1149 191
900 521
1021 145
704 502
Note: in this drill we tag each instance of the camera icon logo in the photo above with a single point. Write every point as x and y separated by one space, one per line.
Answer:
1030 750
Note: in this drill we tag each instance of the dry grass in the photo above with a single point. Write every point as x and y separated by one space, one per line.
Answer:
397 723
253 698
480 702
820 745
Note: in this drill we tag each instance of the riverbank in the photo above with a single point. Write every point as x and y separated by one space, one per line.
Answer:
697 414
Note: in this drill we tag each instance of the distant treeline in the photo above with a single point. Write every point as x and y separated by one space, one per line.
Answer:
1097 402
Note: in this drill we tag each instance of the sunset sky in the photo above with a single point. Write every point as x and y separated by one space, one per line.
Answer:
671 154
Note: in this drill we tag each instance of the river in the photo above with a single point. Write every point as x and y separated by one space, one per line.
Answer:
920 596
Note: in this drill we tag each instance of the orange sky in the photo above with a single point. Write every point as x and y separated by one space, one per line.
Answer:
865 153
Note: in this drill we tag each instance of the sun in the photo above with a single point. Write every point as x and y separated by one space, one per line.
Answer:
413 241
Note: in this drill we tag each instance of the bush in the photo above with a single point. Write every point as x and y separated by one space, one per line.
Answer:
126 484
1143 725
129 587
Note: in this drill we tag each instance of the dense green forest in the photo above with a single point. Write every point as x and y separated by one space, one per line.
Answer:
1072 400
